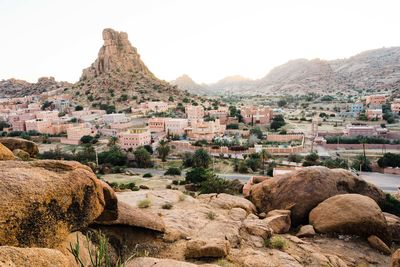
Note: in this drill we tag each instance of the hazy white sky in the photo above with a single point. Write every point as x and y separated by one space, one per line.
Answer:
207 39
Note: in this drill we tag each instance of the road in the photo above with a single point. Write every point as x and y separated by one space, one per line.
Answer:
387 182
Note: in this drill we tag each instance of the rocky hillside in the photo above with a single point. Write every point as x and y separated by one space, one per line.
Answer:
376 70
19 88
118 76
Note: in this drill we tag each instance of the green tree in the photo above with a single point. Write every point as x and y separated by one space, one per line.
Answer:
257 132
336 163
163 150
389 160
87 139
173 171
142 158
114 156
187 160
78 108
311 159
201 158
112 141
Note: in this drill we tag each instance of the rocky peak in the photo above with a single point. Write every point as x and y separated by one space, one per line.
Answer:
116 54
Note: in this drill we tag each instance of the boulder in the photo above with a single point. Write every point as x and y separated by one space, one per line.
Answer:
393 226
237 214
257 227
21 154
396 258
26 257
5 153
13 143
278 221
136 217
378 244
44 201
303 189
207 248
306 231
226 201
349 214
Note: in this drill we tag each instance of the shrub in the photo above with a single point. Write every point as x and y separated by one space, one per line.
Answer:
147 175
201 158
142 158
114 156
389 160
167 206
144 203
276 242
215 184
182 197
173 171
197 175
211 215
391 205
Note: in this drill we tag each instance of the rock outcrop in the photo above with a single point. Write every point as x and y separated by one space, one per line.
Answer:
131 216
14 143
44 201
396 258
5 153
154 262
18 88
207 248
118 77
306 188
26 257
350 214
306 231
116 53
393 222
378 244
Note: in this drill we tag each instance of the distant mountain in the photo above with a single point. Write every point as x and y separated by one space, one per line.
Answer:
184 82
377 69
18 88
118 76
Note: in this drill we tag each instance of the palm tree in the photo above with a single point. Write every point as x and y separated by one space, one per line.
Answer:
163 150
264 157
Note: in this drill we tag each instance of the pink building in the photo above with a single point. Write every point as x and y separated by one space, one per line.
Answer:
176 126
395 107
364 130
39 125
374 114
156 125
205 130
47 115
134 138
194 113
75 133
256 115
156 106
220 113
375 99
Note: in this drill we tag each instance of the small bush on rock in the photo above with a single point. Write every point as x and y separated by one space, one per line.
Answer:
144 203
276 242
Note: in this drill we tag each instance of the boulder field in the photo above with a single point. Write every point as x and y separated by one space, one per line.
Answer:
49 206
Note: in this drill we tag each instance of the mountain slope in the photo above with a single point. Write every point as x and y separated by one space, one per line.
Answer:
18 88
184 82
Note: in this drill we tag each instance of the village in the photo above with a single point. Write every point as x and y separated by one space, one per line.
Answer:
284 136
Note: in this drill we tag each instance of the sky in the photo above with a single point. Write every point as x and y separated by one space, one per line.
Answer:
206 39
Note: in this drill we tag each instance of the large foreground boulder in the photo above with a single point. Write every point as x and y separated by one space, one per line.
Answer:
396 258
304 189
350 214
27 257
43 201
13 143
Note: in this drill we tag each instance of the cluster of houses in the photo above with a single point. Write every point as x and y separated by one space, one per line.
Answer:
372 107
132 130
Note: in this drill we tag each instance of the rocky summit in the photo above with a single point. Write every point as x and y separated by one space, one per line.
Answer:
119 77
